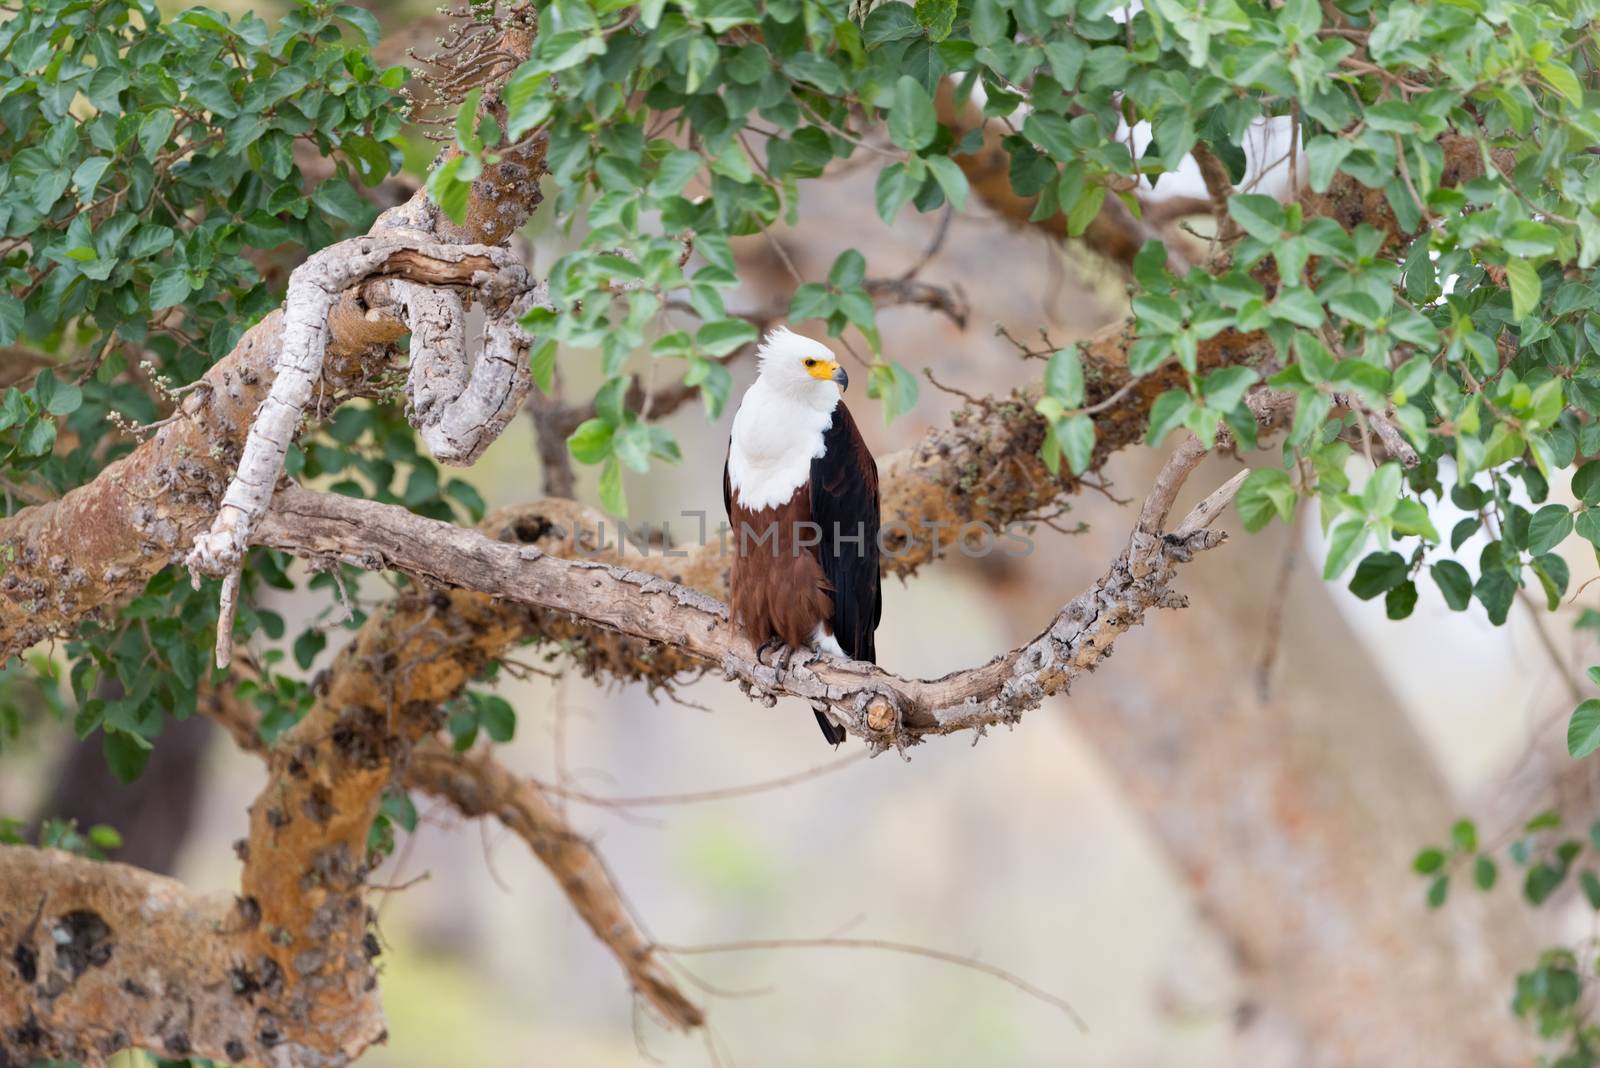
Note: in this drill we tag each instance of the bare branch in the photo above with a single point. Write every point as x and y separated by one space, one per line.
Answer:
478 786
1219 184
946 300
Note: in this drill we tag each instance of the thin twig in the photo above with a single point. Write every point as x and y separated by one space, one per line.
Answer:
720 794
909 948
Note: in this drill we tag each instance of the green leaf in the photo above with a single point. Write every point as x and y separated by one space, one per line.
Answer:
674 172
1583 729
1379 573
1076 436
1588 526
1323 156
11 315
1541 881
87 177
612 496
1262 217
912 123
542 364
895 386
1411 517
591 442
1591 887
57 398
720 337
1063 377
894 188
498 718
951 178
1428 860
1399 602
1484 873
125 754
1349 534
1523 279
154 131
1382 492
171 287
1565 82
1548 528
1224 388
848 270
1464 835
811 301
466 120
938 17
306 647
1266 492
1454 583
1438 890
1495 590
450 186
526 106
1586 483
1168 413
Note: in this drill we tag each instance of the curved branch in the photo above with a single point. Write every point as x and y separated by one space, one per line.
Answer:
883 708
314 287
477 785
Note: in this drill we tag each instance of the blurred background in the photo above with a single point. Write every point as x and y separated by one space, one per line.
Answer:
1205 848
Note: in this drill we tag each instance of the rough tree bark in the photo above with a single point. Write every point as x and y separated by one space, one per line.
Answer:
884 709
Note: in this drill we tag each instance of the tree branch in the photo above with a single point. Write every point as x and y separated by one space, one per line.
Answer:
476 785
457 416
883 708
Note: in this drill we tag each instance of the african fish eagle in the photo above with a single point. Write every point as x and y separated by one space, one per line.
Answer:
801 491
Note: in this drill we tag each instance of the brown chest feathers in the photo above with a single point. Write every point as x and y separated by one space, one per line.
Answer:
776 585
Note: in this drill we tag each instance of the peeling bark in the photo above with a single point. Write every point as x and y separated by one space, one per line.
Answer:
314 287
457 407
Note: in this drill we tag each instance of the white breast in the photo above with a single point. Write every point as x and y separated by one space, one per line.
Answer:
775 438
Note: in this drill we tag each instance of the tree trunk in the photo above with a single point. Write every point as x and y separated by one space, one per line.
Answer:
1293 819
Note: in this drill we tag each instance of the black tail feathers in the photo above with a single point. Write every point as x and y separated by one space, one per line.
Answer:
830 730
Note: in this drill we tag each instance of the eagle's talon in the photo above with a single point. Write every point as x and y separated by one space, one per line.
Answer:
774 645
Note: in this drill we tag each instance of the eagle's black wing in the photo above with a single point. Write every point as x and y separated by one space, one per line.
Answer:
844 503
727 486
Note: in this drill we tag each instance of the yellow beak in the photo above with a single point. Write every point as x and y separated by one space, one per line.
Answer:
829 371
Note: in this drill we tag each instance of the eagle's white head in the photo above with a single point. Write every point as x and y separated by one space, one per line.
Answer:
800 369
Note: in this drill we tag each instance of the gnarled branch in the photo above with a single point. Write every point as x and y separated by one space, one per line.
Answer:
883 708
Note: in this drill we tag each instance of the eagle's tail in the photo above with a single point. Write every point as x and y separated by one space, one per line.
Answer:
830 730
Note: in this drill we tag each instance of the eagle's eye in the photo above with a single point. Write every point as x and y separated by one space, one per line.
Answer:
811 363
